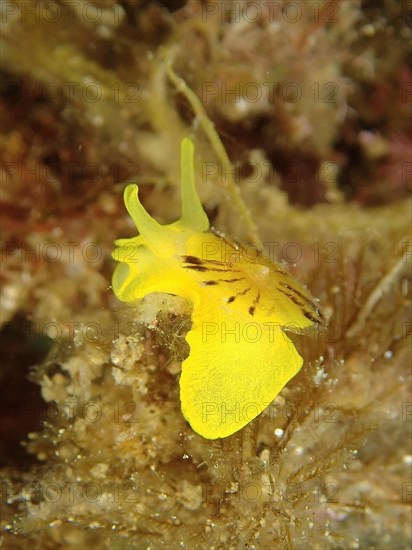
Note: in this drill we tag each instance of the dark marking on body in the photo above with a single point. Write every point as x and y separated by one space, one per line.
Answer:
242 293
193 260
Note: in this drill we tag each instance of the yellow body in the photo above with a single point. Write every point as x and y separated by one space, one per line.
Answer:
240 356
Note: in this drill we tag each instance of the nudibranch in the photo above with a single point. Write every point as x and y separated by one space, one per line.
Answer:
240 355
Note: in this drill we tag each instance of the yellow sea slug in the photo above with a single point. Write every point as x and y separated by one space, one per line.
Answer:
240 356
